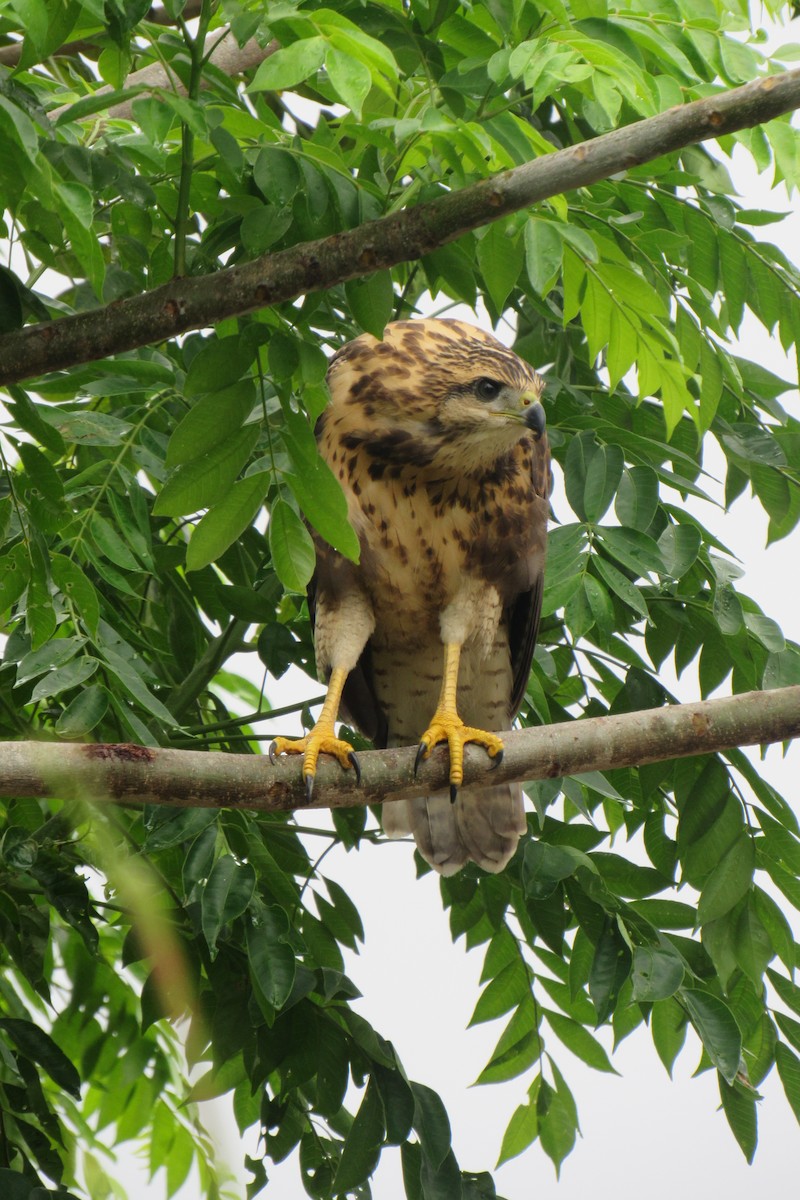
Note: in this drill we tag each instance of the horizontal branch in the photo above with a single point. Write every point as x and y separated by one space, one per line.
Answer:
196 302
126 774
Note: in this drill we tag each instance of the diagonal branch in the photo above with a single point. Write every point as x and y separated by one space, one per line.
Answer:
193 303
127 774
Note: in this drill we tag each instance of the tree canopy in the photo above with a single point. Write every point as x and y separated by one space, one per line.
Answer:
155 491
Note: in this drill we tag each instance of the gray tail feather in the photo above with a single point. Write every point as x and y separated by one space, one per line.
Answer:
484 826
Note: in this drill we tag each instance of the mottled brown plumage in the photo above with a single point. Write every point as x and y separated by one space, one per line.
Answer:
436 435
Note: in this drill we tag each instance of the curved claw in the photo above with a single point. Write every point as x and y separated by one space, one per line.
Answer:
498 758
309 787
271 752
356 765
453 792
421 750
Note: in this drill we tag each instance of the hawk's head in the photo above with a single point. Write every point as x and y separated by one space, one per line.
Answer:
434 392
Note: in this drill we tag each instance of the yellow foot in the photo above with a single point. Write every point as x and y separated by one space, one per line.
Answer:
320 740
448 727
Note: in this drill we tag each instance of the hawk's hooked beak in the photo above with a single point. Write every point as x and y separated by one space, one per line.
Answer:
535 419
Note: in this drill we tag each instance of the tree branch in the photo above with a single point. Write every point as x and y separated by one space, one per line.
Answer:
400 237
227 56
126 774
12 53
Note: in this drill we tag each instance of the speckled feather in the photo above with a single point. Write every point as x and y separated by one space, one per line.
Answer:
450 507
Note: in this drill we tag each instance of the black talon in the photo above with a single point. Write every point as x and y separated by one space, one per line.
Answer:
498 758
271 753
356 765
309 787
421 748
453 792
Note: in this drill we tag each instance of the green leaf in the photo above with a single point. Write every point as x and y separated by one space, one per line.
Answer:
226 895
610 968
739 1106
398 1102
788 1065
579 1040
580 452
728 881
634 550
523 1128
37 1045
290 65
656 974
78 589
350 79
752 945
499 261
679 546
14 574
502 993
788 991
226 521
48 657
362 1146
291 547
603 474
557 1123
717 1028
133 683
622 586
278 176
668 1026
83 714
206 480
217 366
110 544
371 301
543 253
271 959
63 679
637 497
544 866
220 411
319 495
431 1124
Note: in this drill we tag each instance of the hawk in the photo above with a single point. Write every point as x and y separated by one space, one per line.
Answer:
437 435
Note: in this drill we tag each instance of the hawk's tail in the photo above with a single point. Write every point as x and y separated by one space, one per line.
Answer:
484 826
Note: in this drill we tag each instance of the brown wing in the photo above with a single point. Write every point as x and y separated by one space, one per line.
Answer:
522 615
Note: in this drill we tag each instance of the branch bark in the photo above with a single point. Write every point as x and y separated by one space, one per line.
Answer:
227 56
135 775
193 303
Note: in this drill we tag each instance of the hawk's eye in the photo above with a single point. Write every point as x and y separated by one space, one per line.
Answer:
488 389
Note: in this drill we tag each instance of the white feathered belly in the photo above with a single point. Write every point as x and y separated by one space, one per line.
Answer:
408 680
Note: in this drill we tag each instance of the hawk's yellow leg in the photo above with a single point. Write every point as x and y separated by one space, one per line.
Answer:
446 725
322 738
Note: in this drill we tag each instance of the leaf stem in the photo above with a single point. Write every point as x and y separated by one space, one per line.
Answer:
195 46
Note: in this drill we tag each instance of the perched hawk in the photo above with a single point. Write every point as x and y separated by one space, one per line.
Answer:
437 436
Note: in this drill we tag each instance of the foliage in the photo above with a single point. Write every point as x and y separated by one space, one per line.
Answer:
135 562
